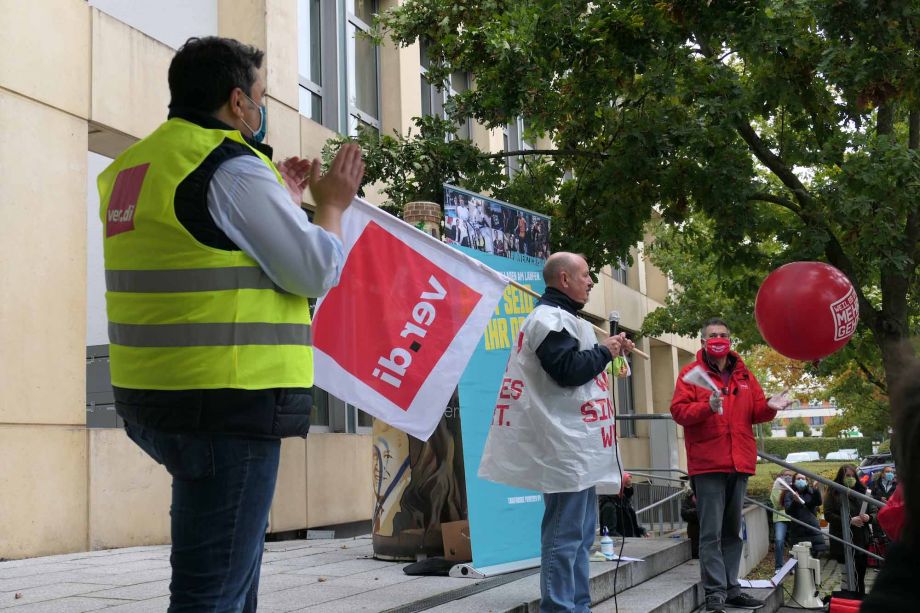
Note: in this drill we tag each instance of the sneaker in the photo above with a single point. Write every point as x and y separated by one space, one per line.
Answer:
743 601
715 607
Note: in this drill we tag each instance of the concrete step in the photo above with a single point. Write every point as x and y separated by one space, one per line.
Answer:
674 591
678 591
523 595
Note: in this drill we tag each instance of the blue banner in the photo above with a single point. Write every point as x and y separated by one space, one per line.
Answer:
504 521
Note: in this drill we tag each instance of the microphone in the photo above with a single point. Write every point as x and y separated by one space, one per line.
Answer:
614 319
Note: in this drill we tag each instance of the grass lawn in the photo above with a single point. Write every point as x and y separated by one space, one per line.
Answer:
760 484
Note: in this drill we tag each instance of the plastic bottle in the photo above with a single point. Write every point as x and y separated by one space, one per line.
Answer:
606 544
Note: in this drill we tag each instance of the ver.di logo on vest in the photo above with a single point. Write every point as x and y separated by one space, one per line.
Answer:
119 216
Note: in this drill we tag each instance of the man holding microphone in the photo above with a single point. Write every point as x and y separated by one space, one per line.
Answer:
553 429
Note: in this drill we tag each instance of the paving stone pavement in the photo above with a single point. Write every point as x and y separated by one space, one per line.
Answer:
314 575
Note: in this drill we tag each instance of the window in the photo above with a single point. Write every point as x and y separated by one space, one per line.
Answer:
361 66
621 272
514 141
817 421
338 66
627 403
434 100
331 414
310 59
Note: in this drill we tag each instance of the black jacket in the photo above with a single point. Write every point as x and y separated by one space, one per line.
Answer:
559 354
882 489
805 513
833 511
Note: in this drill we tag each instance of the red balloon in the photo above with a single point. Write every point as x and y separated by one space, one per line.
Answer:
806 310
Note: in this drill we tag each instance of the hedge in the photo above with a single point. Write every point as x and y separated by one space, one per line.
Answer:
781 446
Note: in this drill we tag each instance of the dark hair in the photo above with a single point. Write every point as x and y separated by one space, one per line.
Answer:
833 494
713 321
205 70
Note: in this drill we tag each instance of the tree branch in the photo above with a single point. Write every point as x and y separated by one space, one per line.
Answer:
870 376
769 159
913 122
834 250
783 202
559 152
912 227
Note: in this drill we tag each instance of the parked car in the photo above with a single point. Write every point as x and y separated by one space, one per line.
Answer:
803 456
843 454
873 464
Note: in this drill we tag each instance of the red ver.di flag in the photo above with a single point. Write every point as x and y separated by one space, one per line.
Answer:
394 336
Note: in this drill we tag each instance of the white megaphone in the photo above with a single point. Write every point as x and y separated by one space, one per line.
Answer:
807 570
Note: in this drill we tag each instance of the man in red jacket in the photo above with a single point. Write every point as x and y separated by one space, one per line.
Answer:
721 455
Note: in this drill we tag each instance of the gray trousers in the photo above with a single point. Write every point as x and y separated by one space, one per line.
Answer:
719 499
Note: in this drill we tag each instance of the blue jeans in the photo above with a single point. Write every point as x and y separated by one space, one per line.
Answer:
567 534
221 494
779 540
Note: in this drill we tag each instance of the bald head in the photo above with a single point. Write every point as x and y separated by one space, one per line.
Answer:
558 263
568 273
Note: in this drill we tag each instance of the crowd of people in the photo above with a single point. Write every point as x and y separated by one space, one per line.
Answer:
483 225
794 497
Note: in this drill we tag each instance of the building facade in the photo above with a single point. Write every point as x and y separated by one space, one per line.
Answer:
81 82
816 414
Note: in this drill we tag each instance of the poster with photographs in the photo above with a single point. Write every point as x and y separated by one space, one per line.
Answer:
494 227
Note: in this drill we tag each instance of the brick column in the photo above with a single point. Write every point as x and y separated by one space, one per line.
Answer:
428 214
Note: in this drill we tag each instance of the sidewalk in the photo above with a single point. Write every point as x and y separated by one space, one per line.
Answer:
314 575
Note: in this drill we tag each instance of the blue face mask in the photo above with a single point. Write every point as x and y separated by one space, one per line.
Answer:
801 483
257 135
889 477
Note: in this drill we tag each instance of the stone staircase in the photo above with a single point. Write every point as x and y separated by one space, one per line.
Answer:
666 581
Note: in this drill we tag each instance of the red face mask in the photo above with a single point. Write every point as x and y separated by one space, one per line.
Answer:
718 346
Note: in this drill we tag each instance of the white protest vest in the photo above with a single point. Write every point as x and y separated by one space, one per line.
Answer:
546 437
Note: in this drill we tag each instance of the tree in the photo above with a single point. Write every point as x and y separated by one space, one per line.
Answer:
834 427
771 131
796 425
415 166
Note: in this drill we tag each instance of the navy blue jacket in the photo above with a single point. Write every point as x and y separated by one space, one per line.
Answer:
559 354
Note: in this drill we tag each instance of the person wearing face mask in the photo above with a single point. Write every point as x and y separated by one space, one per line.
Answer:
859 525
721 455
209 263
803 506
780 522
883 487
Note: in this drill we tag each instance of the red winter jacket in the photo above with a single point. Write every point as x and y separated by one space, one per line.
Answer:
720 443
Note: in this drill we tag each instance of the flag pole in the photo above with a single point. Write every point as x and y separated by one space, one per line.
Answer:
527 290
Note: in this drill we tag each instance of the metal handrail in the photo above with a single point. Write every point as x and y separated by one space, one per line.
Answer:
801 523
847 492
663 500
640 474
832 484
845 531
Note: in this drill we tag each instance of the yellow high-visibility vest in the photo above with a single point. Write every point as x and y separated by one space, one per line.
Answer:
183 315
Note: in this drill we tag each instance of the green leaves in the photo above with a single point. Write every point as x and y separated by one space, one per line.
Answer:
415 166
758 131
